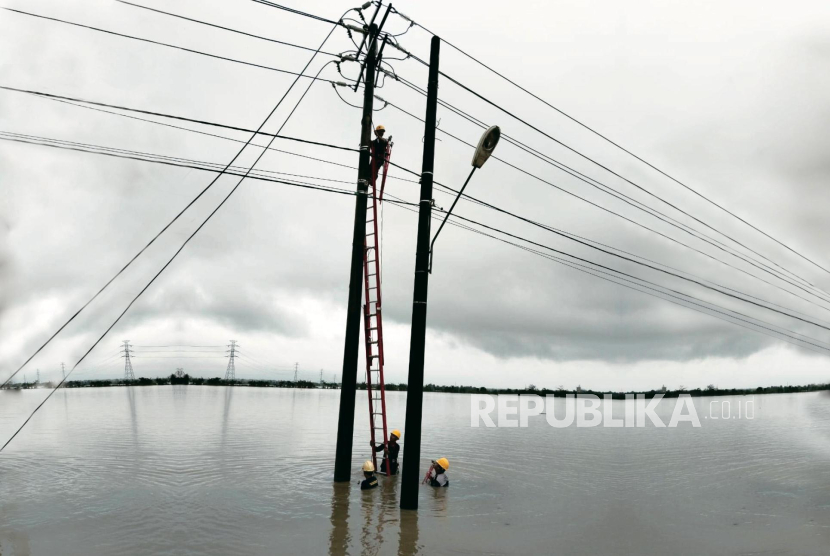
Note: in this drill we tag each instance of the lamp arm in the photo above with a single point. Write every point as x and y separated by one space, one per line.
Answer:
461 192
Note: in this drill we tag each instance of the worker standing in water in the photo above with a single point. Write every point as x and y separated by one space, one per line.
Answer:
389 465
437 474
379 144
369 472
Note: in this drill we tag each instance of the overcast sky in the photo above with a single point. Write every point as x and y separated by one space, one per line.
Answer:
731 98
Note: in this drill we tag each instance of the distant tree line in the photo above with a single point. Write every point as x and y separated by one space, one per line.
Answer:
710 390
198 381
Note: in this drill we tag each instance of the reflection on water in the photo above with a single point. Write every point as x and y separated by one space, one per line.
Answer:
248 471
339 538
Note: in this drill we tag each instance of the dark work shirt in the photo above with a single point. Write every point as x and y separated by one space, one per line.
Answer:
378 154
394 450
390 467
369 483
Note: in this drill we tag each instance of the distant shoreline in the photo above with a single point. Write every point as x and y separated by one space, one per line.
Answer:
401 387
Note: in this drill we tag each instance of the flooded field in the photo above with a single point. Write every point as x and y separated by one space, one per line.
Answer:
246 471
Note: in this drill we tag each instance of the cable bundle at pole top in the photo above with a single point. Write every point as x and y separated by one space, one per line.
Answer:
731 252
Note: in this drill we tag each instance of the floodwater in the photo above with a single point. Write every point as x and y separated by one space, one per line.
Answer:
247 471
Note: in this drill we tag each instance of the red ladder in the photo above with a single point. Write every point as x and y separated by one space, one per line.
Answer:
372 319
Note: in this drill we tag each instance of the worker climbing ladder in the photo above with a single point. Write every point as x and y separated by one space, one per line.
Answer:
372 314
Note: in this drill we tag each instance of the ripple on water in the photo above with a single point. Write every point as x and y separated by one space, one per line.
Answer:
201 470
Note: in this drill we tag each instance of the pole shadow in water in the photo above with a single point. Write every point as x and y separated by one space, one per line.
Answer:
408 535
133 416
339 538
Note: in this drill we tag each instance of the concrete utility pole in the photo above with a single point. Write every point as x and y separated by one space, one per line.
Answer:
411 479
345 423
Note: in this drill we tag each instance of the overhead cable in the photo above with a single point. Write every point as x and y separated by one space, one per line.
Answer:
253 135
192 235
622 216
158 43
615 144
633 202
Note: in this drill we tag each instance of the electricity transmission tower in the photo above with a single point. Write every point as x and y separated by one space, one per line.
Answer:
179 372
128 364
296 365
38 377
321 378
63 371
230 373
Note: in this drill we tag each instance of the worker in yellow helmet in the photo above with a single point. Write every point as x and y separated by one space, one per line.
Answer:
369 472
437 474
389 465
379 145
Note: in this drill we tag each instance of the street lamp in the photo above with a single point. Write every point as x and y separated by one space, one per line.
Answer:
486 146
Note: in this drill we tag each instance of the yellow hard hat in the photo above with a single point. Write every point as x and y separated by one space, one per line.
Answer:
397 433
368 466
380 128
443 462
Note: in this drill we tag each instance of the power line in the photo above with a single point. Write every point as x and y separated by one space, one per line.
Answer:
225 28
209 165
158 43
607 252
585 156
705 304
196 231
623 197
179 345
192 164
573 236
77 103
616 213
607 169
734 296
181 118
298 12
595 132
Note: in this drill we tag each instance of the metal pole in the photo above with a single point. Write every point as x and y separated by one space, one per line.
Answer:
411 478
345 424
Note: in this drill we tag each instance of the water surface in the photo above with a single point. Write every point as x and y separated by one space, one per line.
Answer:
247 471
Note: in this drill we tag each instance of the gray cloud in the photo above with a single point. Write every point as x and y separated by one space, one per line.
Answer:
741 114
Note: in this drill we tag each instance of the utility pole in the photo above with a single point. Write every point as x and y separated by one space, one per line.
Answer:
128 364
296 367
410 479
348 388
230 372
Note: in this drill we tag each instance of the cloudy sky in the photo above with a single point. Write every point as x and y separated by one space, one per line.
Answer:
731 98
